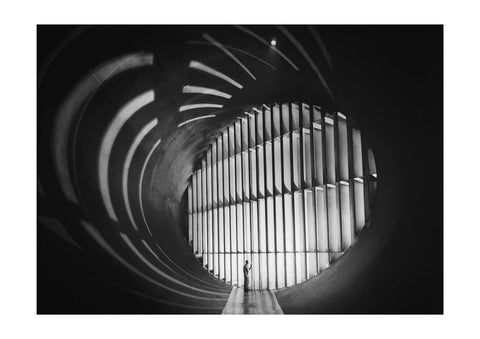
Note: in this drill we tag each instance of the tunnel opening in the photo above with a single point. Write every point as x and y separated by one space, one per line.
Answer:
286 188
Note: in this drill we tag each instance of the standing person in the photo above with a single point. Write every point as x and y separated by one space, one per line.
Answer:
245 276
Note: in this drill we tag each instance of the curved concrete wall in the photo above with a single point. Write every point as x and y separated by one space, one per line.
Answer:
87 78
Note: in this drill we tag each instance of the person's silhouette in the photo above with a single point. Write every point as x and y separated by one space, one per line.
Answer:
246 268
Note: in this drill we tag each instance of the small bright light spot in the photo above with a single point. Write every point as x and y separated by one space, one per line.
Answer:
273 42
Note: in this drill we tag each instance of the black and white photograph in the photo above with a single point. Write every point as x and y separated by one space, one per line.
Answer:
240 169
250 169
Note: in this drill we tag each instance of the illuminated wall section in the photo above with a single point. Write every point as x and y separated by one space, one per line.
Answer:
286 187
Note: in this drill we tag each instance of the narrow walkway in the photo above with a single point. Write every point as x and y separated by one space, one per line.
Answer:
252 302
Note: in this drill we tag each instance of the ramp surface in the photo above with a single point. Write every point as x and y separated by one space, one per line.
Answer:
252 302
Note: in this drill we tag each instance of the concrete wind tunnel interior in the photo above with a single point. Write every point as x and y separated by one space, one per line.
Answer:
168 156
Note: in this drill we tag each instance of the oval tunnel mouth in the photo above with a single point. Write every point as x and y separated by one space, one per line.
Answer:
315 204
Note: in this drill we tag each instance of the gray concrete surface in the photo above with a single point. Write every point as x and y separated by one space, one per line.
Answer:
252 302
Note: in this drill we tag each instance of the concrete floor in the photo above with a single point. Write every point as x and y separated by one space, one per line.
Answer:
252 302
